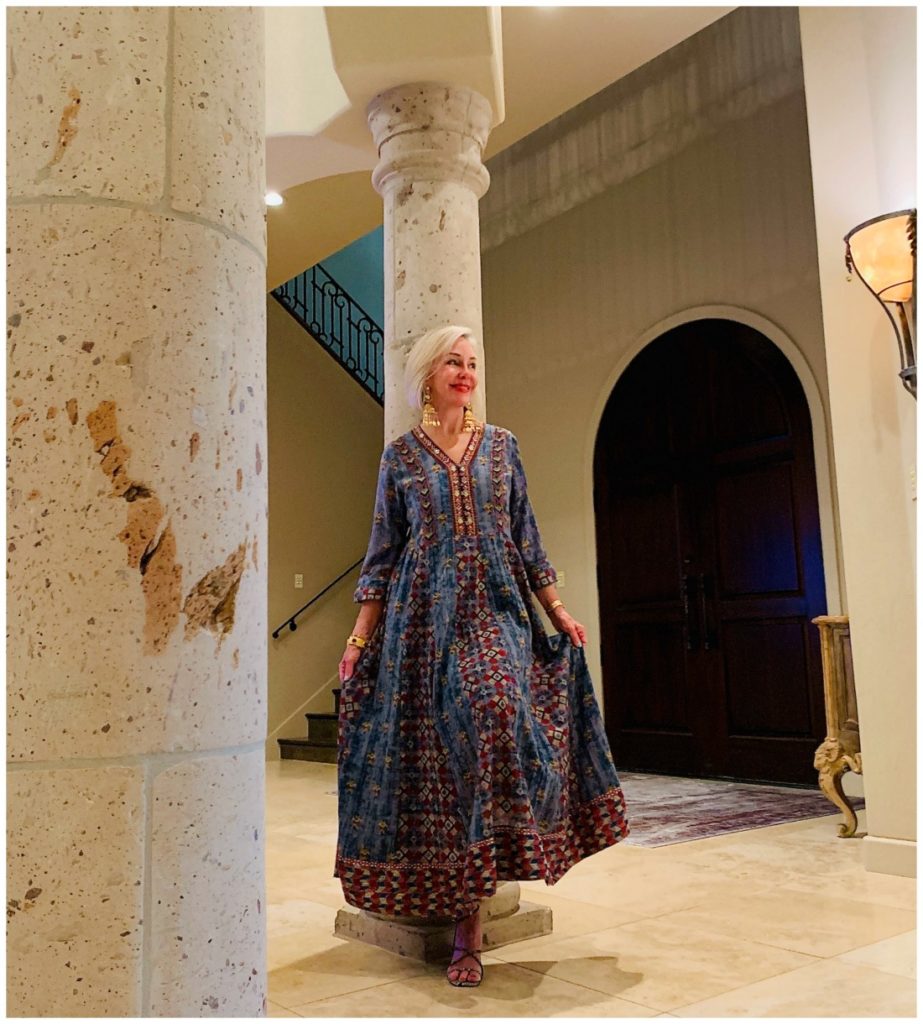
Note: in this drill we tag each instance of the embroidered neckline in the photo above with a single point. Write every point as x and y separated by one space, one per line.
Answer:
461 491
439 453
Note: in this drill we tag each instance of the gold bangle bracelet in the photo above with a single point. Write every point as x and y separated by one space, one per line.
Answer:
555 604
356 641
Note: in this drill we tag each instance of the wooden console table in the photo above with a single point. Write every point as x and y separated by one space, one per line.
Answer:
840 751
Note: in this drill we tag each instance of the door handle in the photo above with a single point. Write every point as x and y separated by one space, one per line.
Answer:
692 634
705 592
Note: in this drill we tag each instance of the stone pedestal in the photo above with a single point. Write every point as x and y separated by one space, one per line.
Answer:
137 512
504 919
430 139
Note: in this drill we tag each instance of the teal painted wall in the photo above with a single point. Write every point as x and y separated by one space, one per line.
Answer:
359 268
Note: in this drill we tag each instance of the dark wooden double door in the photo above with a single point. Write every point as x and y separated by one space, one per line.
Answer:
709 560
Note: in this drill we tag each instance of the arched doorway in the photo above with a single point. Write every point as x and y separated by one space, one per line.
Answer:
709 556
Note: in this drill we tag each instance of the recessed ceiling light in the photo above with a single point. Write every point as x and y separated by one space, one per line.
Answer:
274 199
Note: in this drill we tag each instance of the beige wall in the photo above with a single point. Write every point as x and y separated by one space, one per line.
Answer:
860 84
723 225
325 441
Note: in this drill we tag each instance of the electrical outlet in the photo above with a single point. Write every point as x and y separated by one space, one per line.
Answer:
299 581
560 573
913 483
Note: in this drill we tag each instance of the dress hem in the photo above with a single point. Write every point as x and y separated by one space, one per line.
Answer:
439 889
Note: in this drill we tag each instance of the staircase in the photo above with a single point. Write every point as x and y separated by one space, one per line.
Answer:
340 325
320 743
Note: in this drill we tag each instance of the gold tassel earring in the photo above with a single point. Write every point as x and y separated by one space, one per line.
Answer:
469 422
430 416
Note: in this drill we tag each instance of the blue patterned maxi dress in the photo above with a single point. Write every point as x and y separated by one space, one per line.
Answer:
471 746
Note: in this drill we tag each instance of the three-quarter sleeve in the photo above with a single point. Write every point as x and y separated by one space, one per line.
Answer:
389 533
523 527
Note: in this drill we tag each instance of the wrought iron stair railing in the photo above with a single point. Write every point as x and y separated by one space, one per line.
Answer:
290 621
343 328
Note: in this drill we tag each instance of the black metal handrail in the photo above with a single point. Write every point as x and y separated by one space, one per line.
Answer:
333 317
290 622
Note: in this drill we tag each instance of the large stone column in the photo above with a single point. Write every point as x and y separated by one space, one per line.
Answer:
137 512
430 140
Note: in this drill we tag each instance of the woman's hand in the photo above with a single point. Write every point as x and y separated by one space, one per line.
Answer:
566 623
348 662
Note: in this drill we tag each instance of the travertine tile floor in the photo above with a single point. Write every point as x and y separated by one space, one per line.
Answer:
777 922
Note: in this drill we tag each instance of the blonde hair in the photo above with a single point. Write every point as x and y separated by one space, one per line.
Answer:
424 353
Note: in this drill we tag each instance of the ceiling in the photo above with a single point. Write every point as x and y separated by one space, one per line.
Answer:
553 59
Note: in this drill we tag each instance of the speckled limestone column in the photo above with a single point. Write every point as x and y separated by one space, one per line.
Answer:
137 512
430 139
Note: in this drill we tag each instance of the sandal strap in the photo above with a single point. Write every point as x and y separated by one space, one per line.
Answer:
461 951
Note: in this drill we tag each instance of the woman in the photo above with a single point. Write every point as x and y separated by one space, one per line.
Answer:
471 746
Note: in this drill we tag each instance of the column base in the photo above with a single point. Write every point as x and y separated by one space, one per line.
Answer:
505 919
890 856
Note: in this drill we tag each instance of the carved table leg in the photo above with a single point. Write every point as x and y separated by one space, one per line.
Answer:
831 761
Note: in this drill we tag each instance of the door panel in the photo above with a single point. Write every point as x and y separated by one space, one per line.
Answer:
756 539
709 560
750 406
652 653
648 523
768 678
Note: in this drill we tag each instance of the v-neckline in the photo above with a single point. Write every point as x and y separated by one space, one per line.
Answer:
436 450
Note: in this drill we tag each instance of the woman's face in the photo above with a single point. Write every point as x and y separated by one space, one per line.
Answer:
454 376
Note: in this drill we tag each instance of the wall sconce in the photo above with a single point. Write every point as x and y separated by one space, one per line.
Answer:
883 252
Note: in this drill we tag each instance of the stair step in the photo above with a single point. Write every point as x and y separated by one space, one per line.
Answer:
308 750
322 726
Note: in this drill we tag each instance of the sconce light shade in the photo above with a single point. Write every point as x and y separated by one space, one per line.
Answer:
883 252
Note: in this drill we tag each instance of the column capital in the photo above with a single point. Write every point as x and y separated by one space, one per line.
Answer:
427 131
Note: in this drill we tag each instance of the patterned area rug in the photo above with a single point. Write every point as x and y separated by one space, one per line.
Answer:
663 810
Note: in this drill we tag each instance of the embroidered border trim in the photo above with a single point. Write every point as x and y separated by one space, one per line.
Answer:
498 474
425 889
542 576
